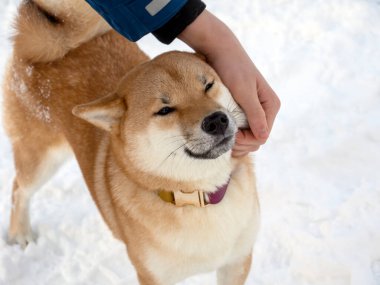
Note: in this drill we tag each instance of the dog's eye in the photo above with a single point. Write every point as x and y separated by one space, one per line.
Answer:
164 111
209 86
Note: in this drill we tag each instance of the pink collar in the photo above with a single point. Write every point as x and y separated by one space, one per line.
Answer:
217 196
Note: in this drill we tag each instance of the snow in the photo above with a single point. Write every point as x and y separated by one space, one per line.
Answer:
318 176
38 109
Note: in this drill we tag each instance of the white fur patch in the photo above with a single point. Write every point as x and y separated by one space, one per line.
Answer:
208 238
54 158
161 152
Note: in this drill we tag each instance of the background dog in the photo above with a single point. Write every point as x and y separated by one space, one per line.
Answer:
158 129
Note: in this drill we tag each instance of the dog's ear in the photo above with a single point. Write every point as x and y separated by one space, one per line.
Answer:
105 113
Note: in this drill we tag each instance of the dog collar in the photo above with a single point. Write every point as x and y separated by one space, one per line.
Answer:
196 198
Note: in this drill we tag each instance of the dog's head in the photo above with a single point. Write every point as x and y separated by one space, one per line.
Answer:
174 116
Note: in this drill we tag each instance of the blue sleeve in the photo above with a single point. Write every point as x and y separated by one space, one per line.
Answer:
136 18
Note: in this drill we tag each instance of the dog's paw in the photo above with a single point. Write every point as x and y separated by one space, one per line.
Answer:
23 239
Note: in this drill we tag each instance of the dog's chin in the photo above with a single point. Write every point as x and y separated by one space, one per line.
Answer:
215 151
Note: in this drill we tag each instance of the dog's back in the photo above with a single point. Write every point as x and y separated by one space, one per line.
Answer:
57 63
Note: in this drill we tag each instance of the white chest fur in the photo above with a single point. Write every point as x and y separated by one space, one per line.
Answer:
177 242
204 239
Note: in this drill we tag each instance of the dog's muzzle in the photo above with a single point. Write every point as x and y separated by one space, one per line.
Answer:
217 136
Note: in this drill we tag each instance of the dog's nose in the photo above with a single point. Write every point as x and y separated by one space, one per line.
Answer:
215 124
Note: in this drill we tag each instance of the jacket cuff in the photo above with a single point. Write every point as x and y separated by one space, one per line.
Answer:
188 13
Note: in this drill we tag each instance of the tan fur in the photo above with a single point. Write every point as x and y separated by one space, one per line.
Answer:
119 153
38 40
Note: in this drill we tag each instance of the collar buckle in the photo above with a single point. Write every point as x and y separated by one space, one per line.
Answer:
195 198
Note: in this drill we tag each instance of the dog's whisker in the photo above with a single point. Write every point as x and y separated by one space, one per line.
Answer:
197 142
230 104
182 145
236 109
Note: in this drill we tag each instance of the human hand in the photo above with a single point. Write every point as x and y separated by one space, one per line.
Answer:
254 95
212 38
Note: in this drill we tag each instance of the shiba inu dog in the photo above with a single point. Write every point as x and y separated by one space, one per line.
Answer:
153 140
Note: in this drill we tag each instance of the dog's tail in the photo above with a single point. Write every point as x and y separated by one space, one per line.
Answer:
45 34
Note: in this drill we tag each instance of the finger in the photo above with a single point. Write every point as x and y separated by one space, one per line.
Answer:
268 99
271 110
238 147
246 137
239 153
247 149
246 146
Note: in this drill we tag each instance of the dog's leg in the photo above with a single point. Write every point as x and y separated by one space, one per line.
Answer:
19 229
33 168
145 277
235 273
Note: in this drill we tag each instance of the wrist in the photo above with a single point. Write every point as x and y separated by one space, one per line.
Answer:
209 36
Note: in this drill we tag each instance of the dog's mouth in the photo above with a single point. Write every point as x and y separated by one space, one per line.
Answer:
220 147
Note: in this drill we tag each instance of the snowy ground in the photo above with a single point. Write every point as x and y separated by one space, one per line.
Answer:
318 176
